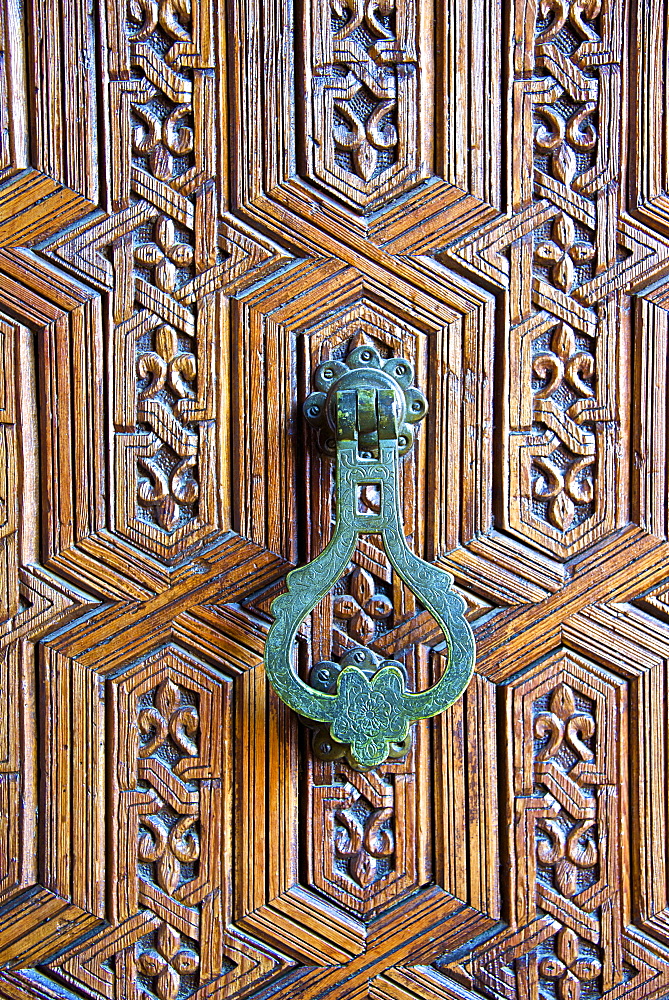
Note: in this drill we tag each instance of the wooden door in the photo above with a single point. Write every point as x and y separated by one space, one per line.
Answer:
202 200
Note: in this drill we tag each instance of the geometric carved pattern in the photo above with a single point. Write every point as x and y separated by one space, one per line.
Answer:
158 267
169 825
362 855
566 256
569 793
284 326
568 796
165 255
168 254
164 912
563 341
364 117
216 198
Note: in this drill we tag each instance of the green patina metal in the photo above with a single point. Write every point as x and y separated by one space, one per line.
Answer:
364 410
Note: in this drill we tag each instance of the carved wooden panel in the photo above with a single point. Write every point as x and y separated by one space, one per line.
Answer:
368 98
199 203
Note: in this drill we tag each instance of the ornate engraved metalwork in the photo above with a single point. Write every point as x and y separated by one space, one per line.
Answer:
364 412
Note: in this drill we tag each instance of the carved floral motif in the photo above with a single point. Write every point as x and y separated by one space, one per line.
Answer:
365 106
167 374
578 13
364 80
172 16
564 480
168 717
567 969
364 840
167 141
166 256
168 849
165 264
564 726
167 963
568 850
567 845
563 137
563 251
362 606
566 424
565 141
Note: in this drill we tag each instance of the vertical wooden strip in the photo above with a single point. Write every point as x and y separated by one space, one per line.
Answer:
64 93
56 785
88 832
13 113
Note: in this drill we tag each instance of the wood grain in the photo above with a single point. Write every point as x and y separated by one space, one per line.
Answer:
199 203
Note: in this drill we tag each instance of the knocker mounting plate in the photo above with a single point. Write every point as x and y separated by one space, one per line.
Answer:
364 410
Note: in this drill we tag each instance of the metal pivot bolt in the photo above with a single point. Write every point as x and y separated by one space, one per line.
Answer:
364 410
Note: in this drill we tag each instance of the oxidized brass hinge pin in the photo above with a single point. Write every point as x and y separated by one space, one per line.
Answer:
364 410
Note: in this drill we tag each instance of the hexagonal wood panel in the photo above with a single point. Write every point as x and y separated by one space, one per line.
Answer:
199 203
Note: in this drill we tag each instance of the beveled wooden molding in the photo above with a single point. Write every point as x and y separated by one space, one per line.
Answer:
48 163
218 198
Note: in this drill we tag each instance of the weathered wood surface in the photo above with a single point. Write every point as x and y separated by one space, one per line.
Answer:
199 202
